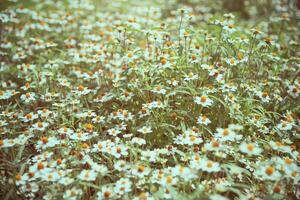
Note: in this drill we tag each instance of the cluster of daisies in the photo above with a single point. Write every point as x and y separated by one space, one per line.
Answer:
141 100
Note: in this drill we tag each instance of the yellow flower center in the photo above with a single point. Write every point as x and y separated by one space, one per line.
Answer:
250 147
269 170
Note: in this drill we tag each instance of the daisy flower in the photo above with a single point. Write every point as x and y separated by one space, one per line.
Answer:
98 120
232 61
209 166
87 175
106 192
81 90
119 150
140 170
226 134
122 186
203 120
113 131
46 142
29 117
293 90
190 76
159 90
264 96
268 172
143 196
145 130
168 180
284 125
40 126
203 101
173 82
250 149
138 141
28 97
121 165
72 194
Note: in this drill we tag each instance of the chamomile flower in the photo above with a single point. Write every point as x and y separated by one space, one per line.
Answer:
143 196
113 131
98 120
81 90
159 90
264 96
173 82
285 125
145 130
87 175
40 126
226 134
203 101
190 76
203 120
294 90
250 149
168 180
232 61
106 192
29 117
209 166
138 141
28 97
118 151
72 194
122 186
140 170
121 165
46 142
268 172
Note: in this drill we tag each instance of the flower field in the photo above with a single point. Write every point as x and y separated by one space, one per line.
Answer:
146 100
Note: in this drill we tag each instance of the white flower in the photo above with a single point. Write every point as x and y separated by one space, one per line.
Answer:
28 97
72 194
122 186
203 101
143 196
65 130
106 192
293 90
87 175
203 120
47 142
41 126
184 172
29 117
113 131
140 170
209 166
213 146
225 134
168 180
121 165
250 149
191 76
172 82
98 120
284 126
264 96
138 141
159 90
81 90
118 151
268 172
145 130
